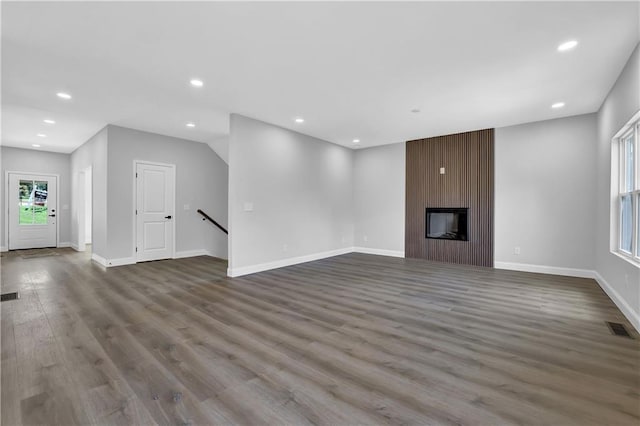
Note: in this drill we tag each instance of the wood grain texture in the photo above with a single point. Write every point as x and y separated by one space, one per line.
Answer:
467 182
355 339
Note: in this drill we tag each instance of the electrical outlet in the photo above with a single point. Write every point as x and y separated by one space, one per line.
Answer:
285 247
516 250
365 238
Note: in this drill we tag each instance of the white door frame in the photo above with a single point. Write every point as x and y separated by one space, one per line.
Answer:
6 203
134 234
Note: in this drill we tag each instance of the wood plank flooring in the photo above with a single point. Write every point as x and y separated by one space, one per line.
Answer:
355 339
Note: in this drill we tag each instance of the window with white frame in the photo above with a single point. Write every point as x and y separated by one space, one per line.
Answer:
627 145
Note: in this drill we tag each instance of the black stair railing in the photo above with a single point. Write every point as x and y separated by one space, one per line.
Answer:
210 219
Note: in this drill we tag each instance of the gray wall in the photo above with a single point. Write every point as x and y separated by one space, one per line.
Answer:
201 182
378 196
544 197
92 153
619 106
34 161
301 189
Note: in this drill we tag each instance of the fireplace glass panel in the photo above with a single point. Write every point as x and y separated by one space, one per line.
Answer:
446 223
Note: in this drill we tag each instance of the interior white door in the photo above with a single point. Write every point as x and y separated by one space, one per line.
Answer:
32 211
155 186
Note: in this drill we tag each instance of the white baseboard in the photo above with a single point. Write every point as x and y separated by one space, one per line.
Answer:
629 313
113 262
64 244
99 259
379 252
191 253
122 261
4 248
252 269
543 269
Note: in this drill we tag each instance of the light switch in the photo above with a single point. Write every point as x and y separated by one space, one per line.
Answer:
248 206
65 207
187 207
441 170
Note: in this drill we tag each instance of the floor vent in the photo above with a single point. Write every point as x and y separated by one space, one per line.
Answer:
618 329
9 296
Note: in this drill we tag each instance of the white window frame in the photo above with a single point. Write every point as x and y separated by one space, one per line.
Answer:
618 186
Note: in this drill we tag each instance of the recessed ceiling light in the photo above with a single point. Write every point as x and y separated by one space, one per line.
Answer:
35 145
356 141
567 45
41 135
299 120
415 110
191 125
48 121
196 83
557 105
63 95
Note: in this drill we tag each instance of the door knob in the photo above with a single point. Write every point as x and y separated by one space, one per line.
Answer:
168 217
52 215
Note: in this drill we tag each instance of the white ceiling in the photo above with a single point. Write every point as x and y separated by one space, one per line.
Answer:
352 70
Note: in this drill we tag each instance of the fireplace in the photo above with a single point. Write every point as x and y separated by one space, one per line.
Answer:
444 223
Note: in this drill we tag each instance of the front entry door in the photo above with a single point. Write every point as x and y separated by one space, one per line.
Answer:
32 211
155 186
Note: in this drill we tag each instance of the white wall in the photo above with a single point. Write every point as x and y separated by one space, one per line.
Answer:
544 196
92 153
34 161
301 189
379 199
201 183
620 278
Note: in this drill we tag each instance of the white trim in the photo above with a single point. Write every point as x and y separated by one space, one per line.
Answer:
64 244
4 248
99 259
629 313
75 247
192 253
544 269
113 262
252 269
627 125
379 252
121 261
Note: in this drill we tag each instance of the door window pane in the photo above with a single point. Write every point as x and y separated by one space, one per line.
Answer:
626 214
26 208
40 209
33 196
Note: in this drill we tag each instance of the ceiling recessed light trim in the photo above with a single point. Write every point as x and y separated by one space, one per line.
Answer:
356 141
41 135
299 120
191 124
49 121
63 95
196 82
35 145
567 45
557 105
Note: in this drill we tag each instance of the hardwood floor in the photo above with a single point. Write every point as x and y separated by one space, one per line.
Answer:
355 339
